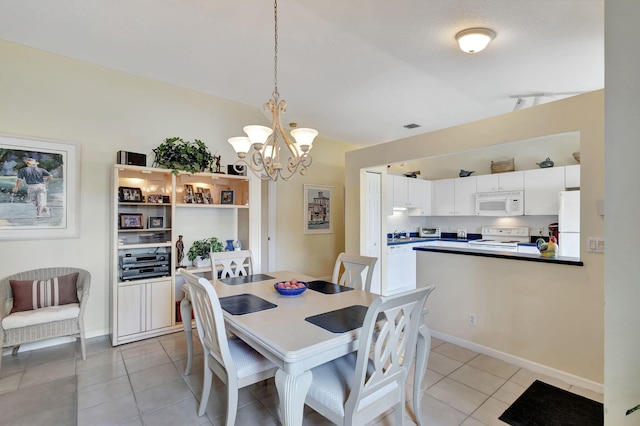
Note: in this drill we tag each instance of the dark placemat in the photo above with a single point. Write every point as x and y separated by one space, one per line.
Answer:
545 405
242 304
326 287
341 320
246 279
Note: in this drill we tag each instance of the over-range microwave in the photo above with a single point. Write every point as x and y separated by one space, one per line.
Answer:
500 203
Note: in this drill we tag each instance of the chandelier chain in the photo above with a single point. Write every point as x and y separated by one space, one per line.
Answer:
275 93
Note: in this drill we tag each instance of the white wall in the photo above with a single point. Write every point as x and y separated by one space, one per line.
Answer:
48 96
622 269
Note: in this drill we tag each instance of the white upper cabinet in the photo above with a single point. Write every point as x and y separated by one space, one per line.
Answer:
510 181
400 191
419 197
541 187
465 196
443 197
572 176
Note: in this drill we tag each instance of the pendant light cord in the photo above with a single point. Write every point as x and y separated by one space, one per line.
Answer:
275 93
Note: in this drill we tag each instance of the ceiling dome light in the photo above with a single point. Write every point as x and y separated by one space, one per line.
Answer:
474 40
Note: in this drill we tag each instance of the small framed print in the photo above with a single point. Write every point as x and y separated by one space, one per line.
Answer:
206 192
188 196
199 198
226 197
156 222
131 221
155 199
130 195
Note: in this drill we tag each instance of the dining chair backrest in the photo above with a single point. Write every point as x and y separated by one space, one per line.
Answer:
353 269
234 263
209 321
357 388
386 349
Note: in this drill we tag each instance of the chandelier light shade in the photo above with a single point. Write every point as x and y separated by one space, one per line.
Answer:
262 148
474 40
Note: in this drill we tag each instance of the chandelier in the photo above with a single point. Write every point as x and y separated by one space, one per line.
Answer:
263 147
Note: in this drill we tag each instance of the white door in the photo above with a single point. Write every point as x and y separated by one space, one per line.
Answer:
373 234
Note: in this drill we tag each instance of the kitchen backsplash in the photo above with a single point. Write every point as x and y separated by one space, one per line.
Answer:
538 225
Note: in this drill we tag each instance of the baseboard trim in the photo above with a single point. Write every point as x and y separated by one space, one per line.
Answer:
569 378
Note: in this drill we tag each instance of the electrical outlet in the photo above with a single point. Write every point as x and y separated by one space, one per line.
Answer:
472 320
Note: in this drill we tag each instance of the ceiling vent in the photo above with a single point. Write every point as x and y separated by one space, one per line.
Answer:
411 126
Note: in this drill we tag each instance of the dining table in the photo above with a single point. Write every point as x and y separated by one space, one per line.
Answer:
286 331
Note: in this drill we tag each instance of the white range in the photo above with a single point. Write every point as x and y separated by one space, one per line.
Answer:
504 238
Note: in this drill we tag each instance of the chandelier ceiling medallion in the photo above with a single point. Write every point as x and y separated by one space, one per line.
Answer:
260 150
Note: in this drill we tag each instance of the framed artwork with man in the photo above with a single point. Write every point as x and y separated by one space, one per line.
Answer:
38 188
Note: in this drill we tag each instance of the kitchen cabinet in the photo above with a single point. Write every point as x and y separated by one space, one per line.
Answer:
409 193
420 197
443 197
541 188
465 196
510 181
572 176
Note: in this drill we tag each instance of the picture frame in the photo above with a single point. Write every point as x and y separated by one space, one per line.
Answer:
128 194
226 197
188 197
199 198
131 221
155 199
156 222
318 209
21 218
206 192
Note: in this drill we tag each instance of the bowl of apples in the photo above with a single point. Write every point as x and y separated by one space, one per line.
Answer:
290 288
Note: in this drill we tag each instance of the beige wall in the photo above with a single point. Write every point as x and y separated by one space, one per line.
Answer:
551 315
47 96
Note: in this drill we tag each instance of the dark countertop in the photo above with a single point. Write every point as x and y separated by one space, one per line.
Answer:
561 260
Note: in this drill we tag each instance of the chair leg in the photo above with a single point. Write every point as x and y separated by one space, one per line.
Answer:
206 387
185 312
15 349
83 346
232 404
423 346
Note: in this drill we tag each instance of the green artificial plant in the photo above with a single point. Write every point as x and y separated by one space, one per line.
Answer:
202 248
177 154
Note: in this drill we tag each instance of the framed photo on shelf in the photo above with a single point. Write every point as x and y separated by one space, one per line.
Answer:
199 198
156 222
206 192
130 195
131 221
155 199
317 209
188 196
226 197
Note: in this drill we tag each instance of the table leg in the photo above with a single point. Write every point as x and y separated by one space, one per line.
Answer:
423 346
292 391
185 312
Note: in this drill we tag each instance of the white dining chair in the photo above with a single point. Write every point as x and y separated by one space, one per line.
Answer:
353 267
360 386
234 263
423 349
232 360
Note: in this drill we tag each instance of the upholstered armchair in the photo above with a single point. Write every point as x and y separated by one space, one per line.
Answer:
45 310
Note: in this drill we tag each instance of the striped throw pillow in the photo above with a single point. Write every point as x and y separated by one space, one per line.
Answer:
29 295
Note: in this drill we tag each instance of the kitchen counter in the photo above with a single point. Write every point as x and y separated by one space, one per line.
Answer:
460 248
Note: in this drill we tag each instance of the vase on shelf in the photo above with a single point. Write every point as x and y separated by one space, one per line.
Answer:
229 246
237 246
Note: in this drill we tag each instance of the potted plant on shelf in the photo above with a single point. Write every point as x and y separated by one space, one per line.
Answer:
177 154
199 251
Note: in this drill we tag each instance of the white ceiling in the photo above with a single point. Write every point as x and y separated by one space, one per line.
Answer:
356 70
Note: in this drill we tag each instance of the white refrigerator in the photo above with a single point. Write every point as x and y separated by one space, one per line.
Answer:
569 224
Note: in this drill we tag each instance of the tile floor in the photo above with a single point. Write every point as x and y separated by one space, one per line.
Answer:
142 383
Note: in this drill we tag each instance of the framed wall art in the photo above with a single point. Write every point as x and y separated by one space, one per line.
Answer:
317 209
130 195
156 222
38 188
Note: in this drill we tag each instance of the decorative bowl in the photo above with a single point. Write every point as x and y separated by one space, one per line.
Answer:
290 291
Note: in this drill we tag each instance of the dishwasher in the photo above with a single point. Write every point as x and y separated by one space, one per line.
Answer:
401 268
